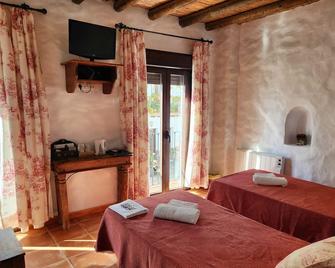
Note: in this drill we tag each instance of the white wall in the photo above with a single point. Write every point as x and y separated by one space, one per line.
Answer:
225 96
85 117
286 60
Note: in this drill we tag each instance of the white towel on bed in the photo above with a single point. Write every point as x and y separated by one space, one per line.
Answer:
180 203
174 213
269 179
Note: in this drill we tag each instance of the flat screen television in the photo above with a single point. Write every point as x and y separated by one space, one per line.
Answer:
91 41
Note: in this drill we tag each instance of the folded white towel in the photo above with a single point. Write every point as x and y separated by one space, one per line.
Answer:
268 179
180 203
174 213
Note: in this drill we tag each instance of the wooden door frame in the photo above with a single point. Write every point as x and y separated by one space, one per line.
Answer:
165 74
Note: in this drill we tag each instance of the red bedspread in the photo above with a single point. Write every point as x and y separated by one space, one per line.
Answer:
302 209
221 238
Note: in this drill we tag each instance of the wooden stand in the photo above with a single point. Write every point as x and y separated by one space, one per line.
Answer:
90 72
61 168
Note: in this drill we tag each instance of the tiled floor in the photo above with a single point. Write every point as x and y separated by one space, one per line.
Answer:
200 192
52 247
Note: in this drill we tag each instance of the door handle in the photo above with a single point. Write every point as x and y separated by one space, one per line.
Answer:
167 135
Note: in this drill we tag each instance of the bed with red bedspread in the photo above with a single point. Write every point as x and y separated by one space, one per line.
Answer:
221 238
303 209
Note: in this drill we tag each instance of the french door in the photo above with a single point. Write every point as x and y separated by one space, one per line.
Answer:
168 108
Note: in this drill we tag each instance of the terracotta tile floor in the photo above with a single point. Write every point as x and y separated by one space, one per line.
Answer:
200 192
52 247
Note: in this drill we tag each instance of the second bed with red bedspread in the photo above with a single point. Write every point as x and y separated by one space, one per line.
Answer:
303 209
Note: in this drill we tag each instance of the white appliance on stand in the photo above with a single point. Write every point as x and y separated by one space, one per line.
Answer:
100 147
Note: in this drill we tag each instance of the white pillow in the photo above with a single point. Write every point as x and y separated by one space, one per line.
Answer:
320 254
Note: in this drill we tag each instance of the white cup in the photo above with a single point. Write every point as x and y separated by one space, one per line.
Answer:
99 147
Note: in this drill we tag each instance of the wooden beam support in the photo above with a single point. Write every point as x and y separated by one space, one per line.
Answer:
167 8
224 9
120 5
78 2
257 13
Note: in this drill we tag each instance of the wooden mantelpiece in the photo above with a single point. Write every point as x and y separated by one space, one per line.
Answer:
61 168
90 72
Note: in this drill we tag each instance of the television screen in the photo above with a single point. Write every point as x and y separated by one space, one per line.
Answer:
91 40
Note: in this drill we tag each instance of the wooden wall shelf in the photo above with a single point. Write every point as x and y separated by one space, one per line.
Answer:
90 72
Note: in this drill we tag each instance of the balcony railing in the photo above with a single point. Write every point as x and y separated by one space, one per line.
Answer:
155 177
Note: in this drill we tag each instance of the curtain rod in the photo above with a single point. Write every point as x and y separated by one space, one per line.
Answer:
123 26
26 7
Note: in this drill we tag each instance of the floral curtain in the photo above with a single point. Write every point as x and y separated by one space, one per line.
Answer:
25 196
134 113
196 174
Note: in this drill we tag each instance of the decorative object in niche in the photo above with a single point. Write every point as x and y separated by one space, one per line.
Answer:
90 72
298 127
301 139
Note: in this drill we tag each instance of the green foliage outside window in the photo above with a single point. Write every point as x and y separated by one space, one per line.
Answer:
154 104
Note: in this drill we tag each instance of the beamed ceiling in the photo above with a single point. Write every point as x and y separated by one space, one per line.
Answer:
213 13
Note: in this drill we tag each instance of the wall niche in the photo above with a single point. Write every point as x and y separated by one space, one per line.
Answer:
298 121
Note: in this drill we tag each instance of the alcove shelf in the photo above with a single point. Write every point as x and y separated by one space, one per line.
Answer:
298 121
90 72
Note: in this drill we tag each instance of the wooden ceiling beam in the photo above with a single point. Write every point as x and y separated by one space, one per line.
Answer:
78 2
222 10
257 13
167 8
120 5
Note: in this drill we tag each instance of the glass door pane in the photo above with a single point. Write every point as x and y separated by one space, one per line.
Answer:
177 110
155 101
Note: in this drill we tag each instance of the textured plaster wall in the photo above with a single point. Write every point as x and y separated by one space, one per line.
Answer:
85 117
225 95
286 60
